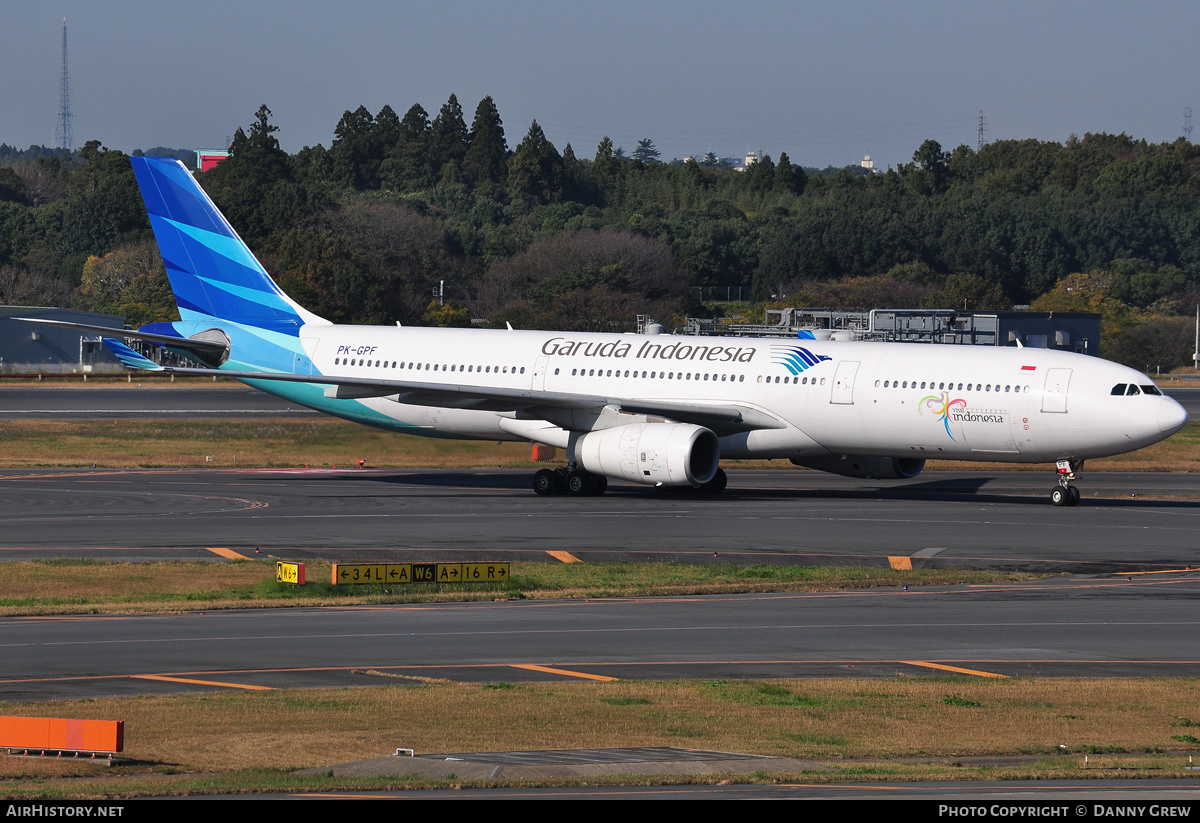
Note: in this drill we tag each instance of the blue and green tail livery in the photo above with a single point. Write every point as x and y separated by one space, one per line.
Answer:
217 281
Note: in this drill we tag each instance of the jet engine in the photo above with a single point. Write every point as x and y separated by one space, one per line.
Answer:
855 465
668 454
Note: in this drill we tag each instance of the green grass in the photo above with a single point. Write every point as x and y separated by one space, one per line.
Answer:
850 729
85 585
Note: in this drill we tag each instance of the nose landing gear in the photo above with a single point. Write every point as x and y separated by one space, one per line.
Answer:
1064 494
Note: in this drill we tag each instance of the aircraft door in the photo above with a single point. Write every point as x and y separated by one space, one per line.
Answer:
1054 397
303 362
539 374
843 383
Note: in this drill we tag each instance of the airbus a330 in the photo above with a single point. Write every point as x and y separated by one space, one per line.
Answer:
658 410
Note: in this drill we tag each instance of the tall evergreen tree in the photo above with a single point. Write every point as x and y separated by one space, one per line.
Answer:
353 150
785 175
410 168
760 176
604 151
646 152
387 132
486 160
448 136
535 171
255 186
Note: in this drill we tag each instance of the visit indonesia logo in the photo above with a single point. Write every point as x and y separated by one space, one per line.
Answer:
945 410
940 405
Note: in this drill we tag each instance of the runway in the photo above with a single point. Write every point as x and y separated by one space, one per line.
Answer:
1050 628
1130 611
1126 522
104 402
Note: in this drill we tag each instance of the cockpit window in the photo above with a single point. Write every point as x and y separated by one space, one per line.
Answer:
1119 388
1132 390
1151 389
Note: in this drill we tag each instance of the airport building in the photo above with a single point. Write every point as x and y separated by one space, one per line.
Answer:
34 348
1067 331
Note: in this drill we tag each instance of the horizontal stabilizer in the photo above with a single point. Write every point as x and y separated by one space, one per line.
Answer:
129 357
213 347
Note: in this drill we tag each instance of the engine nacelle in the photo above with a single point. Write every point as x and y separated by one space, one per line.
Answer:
671 454
855 465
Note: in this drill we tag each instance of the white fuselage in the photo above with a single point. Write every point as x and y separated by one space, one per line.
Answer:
882 399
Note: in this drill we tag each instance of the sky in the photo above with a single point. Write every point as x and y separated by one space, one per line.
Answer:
825 82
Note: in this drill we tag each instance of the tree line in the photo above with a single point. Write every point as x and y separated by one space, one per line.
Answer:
365 229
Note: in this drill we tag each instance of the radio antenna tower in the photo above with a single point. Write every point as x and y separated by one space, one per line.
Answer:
979 137
63 138
1187 124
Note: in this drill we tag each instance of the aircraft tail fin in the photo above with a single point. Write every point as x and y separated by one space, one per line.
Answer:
213 273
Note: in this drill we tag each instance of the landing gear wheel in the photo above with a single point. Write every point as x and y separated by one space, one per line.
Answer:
1065 494
545 482
717 484
578 483
599 485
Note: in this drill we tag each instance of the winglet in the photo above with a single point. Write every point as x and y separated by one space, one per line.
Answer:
129 357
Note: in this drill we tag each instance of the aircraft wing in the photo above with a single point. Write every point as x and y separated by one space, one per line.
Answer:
722 417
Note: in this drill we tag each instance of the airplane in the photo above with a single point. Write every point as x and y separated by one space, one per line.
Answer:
656 410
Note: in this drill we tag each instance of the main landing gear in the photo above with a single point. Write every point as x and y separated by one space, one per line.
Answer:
1064 494
579 483
575 482
717 484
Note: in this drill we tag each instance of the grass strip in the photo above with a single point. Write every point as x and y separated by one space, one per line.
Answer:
922 728
85 586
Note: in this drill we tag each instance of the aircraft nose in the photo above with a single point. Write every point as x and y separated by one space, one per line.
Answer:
1171 416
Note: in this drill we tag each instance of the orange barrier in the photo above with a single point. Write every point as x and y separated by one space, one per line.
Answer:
60 734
